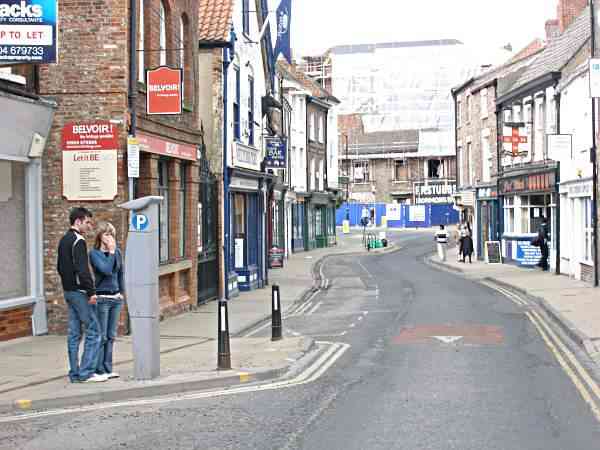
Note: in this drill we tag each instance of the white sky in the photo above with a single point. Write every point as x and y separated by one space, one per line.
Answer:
320 24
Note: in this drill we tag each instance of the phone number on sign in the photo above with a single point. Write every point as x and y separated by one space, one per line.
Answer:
33 51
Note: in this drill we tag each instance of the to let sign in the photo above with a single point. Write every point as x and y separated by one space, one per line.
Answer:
97 135
163 90
28 31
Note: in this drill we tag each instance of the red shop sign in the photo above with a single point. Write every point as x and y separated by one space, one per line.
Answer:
153 144
163 90
96 135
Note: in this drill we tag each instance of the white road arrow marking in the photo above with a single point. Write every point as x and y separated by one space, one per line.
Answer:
447 339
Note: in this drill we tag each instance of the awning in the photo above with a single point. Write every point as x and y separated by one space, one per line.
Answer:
22 120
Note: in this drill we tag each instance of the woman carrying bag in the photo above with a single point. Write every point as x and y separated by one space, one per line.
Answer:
107 262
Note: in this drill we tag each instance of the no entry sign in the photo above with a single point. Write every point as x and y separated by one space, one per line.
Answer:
163 94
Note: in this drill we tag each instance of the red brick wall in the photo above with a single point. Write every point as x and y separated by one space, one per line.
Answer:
91 83
568 11
15 323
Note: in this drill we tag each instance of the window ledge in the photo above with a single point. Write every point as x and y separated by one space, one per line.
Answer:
168 269
17 302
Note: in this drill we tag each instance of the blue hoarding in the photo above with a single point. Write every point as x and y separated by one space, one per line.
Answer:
28 31
275 153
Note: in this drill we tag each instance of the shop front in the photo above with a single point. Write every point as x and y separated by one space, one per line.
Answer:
486 219
528 199
24 126
318 219
299 224
246 231
576 246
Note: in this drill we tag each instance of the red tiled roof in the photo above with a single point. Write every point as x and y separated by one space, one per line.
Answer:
215 20
529 50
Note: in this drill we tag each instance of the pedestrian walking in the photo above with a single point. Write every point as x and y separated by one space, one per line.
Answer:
441 238
462 233
467 247
107 261
80 296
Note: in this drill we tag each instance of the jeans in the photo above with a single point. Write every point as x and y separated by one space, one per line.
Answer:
109 310
82 315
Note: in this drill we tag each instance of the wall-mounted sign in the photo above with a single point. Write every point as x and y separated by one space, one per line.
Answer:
275 152
133 157
159 146
28 31
486 193
163 90
393 211
89 175
243 184
416 213
515 139
434 192
538 182
560 146
94 135
245 156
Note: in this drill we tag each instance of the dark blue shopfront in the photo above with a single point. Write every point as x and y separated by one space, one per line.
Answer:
246 233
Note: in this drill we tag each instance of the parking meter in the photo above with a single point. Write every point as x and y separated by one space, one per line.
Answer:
141 284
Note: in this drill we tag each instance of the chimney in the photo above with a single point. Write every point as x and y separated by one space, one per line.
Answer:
552 29
568 11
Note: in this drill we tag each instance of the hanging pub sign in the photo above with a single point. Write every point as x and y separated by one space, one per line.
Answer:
28 31
164 90
89 166
515 140
275 152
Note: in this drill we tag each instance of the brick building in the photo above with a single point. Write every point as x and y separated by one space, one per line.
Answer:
89 85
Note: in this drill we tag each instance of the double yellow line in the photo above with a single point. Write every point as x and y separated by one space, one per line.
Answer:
587 387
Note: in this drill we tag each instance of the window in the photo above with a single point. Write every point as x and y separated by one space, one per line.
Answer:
361 172
469 171
246 17
312 125
236 105
141 53
162 40
400 172
181 203
588 229
239 230
164 216
517 113
486 159
527 118
509 214
250 111
507 115
461 160
483 95
469 108
458 113
321 176
182 52
321 129
311 175
434 167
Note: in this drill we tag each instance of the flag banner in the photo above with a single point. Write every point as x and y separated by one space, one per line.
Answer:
284 16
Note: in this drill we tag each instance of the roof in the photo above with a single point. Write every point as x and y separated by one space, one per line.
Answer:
370 48
292 72
555 56
215 20
400 141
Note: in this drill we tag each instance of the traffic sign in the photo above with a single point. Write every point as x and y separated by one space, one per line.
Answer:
139 222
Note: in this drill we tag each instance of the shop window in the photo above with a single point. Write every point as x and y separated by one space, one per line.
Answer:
509 214
164 215
587 230
319 221
239 230
181 203
13 246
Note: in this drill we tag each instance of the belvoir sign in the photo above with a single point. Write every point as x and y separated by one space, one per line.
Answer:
164 90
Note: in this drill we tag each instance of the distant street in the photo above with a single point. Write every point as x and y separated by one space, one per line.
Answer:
420 359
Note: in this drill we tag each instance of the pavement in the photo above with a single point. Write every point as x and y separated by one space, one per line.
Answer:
33 369
573 305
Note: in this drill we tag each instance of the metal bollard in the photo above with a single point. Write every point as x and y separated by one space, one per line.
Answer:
276 314
224 357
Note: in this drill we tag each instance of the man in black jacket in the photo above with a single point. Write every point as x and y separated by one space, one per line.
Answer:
80 296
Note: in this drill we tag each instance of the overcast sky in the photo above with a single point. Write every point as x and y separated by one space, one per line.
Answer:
320 24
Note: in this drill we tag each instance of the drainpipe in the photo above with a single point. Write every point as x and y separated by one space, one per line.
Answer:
593 156
227 52
133 69
557 227
499 171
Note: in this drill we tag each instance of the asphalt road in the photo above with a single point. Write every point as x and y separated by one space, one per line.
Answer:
434 362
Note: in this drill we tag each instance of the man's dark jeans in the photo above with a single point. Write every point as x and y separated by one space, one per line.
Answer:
82 315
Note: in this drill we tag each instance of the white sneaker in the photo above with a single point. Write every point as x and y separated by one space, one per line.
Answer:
95 378
112 375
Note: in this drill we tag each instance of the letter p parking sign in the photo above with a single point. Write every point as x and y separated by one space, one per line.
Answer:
139 222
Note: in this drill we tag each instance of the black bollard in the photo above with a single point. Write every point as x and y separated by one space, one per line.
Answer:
276 314
224 357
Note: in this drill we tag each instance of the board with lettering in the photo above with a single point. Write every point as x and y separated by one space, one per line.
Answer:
527 254
493 253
